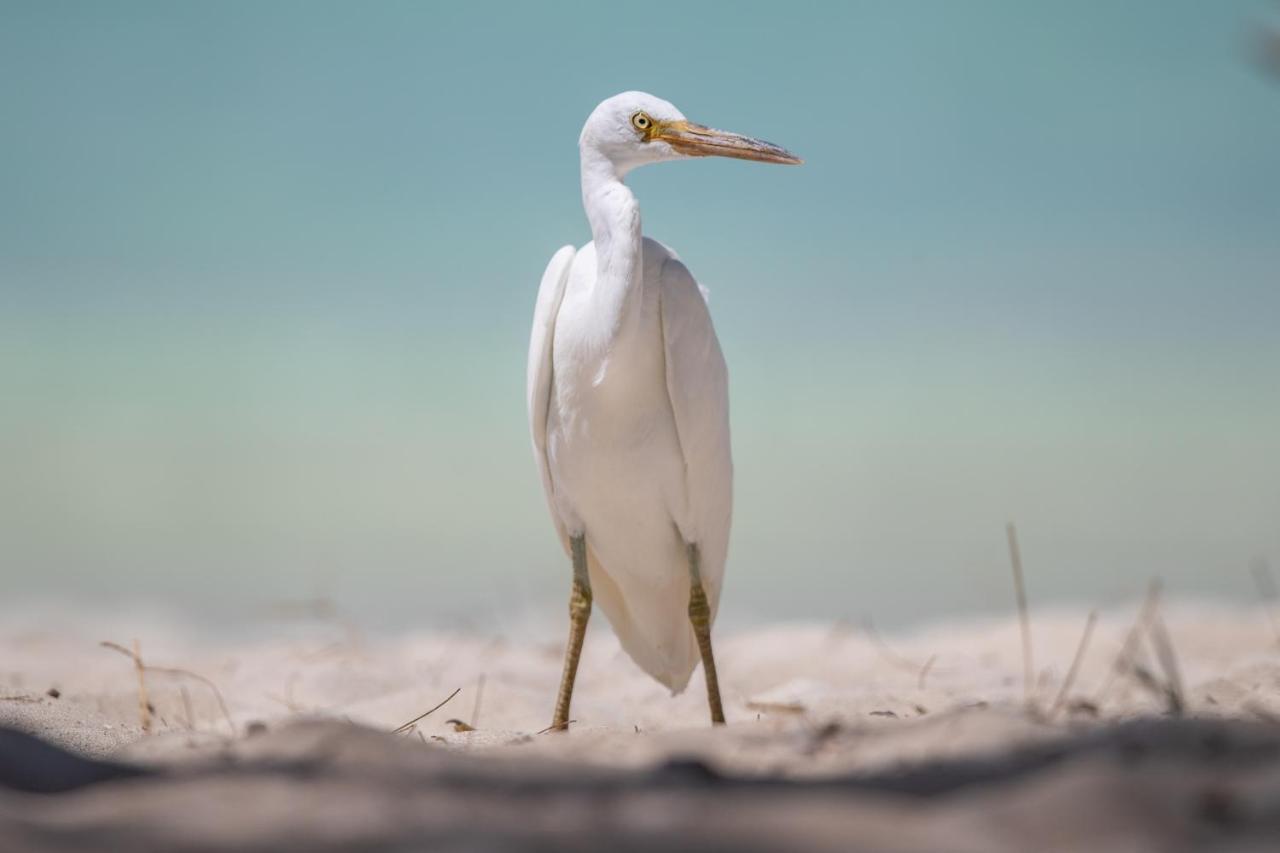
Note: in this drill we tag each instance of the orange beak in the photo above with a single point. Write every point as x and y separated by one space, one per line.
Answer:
695 140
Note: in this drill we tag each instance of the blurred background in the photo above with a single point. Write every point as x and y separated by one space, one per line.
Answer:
267 272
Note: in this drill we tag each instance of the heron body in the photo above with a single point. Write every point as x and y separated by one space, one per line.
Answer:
629 407
615 454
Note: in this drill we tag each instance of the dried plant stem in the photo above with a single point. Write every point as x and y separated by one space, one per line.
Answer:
1024 618
571 722
142 668
924 671
475 707
213 688
1139 627
1168 659
885 651
1266 586
144 703
411 723
1075 664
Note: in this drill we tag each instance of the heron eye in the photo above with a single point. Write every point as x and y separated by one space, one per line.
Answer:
641 121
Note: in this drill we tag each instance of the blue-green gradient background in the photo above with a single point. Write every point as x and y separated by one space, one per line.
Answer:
267 269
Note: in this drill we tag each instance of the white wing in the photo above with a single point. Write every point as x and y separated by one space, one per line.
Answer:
538 389
698 384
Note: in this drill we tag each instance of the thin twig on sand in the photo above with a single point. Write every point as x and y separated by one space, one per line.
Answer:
1075 664
1266 585
144 702
407 726
286 698
885 650
1124 658
1160 639
142 667
144 699
475 707
1170 690
924 671
564 727
1024 619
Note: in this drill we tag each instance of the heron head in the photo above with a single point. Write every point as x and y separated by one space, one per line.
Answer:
635 128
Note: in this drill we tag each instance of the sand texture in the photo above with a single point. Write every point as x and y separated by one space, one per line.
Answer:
1166 737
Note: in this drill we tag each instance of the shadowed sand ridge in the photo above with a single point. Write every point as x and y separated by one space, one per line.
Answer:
839 738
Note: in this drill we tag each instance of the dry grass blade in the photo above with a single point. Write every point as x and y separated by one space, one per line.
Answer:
1074 669
213 688
286 698
1024 618
1170 690
144 703
407 726
1124 658
890 656
1266 586
924 671
1163 643
1143 676
475 707
555 728
169 670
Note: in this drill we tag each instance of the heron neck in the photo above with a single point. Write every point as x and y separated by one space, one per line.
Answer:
614 216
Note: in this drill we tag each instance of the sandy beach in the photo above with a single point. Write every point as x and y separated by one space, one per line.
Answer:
807 704
344 345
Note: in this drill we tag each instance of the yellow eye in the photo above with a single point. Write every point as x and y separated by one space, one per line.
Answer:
641 121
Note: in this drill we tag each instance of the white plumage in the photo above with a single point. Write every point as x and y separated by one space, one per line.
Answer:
628 394
634 444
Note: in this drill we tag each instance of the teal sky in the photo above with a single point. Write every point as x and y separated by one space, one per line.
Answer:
267 270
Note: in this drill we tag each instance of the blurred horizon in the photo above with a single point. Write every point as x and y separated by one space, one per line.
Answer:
267 272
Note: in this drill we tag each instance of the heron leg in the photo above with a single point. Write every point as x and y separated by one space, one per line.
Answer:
579 612
700 618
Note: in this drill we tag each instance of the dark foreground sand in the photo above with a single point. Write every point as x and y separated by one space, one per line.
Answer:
838 740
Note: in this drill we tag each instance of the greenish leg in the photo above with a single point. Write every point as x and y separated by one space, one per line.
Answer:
579 612
700 617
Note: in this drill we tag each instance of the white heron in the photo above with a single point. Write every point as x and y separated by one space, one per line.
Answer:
629 408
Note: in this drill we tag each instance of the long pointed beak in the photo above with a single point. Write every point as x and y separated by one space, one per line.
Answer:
695 140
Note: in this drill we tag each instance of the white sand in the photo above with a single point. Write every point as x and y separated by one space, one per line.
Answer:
939 691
